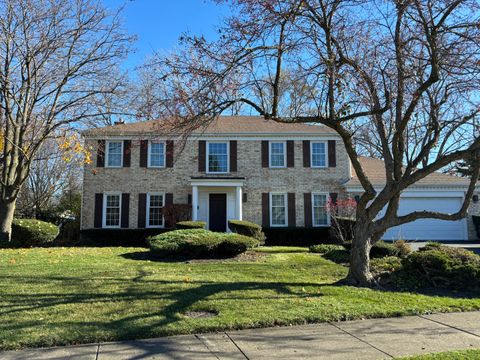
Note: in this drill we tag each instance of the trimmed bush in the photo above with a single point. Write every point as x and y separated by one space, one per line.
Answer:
28 233
324 248
247 228
340 255
183 225
199 243
297 236
445 267
382 249
117 237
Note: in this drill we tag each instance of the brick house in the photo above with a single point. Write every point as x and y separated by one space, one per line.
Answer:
239 167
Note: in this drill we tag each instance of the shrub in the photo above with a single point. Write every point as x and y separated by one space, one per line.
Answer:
404 249
324 248
117 237
444 266
183 225
382 249
337 255
247 228
385 265
32 233
199 243
297 236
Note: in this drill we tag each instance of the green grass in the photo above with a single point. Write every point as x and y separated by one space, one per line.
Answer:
450 355
61 296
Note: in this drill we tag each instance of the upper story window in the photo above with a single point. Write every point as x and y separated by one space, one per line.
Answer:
156 154
277 154
155 210
319 209
111 210
217 155
319 154
114 153
278 209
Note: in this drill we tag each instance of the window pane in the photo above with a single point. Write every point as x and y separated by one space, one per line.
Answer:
217 157
319 157
155 213
278 209
319 210
157 154
112 210
114 153
277 154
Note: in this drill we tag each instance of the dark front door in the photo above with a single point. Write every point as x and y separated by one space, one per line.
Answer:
218 212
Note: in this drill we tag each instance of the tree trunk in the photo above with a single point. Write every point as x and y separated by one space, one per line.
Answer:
359 273
7 209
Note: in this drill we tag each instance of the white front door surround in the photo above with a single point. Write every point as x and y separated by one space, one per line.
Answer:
203 187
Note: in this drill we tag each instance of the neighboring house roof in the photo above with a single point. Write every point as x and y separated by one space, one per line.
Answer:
375 170
221 125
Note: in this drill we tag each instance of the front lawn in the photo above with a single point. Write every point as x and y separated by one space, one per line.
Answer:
57 296
449 355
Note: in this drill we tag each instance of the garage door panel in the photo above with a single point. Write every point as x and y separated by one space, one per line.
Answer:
429 229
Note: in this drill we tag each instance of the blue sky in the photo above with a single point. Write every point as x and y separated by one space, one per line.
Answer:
159 23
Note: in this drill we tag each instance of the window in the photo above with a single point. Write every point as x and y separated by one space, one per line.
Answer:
111 210
114 153
319 209
155 210
278 208
217 154
156 154
277 155
319 154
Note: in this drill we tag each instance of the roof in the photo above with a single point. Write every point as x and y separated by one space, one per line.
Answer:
375 170
220 125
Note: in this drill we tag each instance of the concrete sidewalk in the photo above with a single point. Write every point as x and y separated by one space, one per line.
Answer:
363 339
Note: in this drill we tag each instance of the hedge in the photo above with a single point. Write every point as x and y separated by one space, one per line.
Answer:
476 223
247 228
182 225
117 237
199 243
28 233
297 236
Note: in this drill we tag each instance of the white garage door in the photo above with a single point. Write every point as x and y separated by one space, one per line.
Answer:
429 229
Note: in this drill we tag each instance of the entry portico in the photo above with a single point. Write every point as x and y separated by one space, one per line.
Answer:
216 200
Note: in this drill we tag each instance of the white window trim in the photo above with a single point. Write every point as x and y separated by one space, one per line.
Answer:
148 211
208 157
285 201
270 154
107 154
327 196
104 210
326 154
149 151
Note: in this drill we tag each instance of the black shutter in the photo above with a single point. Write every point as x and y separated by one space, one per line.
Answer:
169 158
143 154
98 213
290 153
265 209
202 153
306 153
307 203
265 154
127 152
332 153
125 210
142 210
169 221
101 153
292 216
233 156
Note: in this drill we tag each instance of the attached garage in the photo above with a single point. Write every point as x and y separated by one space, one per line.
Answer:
436 192
429 229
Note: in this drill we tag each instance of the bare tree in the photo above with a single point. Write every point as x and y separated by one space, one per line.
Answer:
408 71
53 55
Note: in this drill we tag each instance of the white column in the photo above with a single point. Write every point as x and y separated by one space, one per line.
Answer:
238 202
194 203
